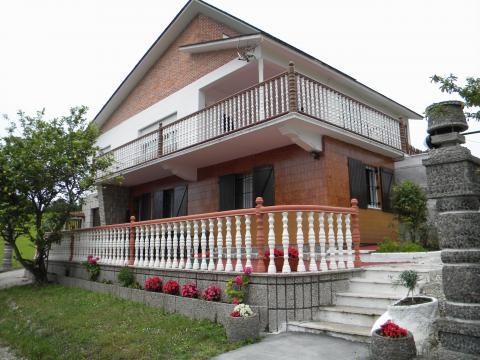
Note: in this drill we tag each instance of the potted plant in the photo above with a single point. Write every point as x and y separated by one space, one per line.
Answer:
242 324
414 312
392 342
279 257
236 288
92 267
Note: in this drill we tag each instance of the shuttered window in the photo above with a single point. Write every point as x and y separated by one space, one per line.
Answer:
264 184
170 202
227 192
180 201
386 179
143 207
358 182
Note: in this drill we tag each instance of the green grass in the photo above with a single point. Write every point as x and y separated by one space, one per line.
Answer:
389 245
26 249
54 322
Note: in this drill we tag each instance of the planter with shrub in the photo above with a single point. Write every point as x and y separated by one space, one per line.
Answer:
392 342
242 324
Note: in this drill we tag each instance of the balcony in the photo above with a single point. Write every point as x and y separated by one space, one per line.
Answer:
289 94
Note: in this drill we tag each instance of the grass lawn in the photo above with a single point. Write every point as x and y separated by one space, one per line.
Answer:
55 322
26 249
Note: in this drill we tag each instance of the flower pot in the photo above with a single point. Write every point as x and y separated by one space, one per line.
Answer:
293 262
242 328
382 347
446 116
417 318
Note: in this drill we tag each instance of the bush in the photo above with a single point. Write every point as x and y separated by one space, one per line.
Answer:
126 277
212 293
388 246
171 287
190 290
408 279
153 284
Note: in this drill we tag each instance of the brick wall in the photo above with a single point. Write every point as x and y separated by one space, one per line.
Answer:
174 70
299 179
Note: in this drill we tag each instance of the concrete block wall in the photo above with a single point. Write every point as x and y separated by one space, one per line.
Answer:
90 202
113 204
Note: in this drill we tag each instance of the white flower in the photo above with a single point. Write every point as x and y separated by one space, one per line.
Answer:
244 310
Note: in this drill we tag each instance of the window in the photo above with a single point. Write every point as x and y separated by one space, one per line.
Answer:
162 203
239 191
95 213
371 186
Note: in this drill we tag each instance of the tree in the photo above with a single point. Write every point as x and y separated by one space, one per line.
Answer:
470 93
48 166
409 203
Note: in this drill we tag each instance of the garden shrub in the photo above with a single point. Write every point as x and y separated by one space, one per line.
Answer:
153 284
171 287
126 277
190 290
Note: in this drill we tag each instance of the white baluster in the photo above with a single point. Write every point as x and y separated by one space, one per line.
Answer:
109 246
142 247
311 242
271 243
285 243
137 246
228 242
169 246
331 242
348 239
162 247
211 244
341 262
248 242
114 246
196 265
175 246
301 264
322 240
203 242
188 265
238 243
151 245
220 244
156 242
126 245
181 238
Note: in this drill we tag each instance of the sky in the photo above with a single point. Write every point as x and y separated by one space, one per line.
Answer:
59 54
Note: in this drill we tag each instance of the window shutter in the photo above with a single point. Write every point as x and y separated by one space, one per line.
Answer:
263 184
227 192
358 182
145 207
158 204
180 201
386 177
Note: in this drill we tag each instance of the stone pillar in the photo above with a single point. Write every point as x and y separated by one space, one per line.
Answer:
113 204
453 179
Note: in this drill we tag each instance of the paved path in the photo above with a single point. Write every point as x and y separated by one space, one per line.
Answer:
13 278
300 346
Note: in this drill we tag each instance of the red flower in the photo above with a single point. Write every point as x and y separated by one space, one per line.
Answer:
276 253
171 287
238 280
190 290
235 313
153 284
292 252
390 329
212 293
235 301
248 270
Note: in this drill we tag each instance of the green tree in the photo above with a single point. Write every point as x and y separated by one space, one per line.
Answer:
48 166
409 203
470 93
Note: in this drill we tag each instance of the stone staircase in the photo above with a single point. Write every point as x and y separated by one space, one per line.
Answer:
368 297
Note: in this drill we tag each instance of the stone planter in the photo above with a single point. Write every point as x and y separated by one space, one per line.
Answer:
417 319
382 347
242 328
446 116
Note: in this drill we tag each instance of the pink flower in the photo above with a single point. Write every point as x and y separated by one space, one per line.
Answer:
247 270
235 301
238 280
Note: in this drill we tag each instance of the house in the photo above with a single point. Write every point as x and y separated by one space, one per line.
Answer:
213 116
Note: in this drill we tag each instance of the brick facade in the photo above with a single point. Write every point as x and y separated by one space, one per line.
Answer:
175 70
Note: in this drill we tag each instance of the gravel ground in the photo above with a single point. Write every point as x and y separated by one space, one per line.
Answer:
6 354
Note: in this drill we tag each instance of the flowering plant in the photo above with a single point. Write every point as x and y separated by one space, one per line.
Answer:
153 284
171 287
212 293
92 267
390 329
292 253
190 290
241 310
236 288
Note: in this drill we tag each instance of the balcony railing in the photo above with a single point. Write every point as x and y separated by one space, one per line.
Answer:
287 92
326 238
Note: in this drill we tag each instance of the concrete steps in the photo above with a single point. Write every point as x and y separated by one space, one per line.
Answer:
348 332
351 315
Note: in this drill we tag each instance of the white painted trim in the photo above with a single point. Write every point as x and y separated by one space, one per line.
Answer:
222 44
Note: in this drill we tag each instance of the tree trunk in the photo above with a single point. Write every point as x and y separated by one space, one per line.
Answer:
7 256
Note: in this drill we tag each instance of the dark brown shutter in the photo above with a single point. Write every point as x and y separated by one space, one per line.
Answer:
145 207
358 182
386 177
180 201
158 204
227 192
263 184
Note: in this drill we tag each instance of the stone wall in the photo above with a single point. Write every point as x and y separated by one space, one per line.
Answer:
90 202
280 298
113 204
